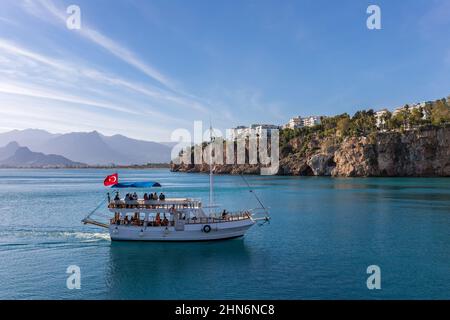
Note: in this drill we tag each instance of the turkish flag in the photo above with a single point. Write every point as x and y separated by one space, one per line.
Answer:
111 180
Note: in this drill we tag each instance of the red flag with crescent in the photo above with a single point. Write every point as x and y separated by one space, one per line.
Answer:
111 180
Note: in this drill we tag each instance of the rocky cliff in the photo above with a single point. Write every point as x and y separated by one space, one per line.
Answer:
423 152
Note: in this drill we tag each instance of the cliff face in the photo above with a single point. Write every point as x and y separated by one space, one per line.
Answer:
422 152
418 153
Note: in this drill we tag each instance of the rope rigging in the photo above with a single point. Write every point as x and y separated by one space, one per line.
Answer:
96 208
266 211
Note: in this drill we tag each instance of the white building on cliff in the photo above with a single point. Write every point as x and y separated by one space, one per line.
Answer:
300 122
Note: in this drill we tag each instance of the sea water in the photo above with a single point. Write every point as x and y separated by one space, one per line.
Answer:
323 235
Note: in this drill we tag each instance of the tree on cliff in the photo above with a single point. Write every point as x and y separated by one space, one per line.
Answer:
332 124
384 121
363 123
343 126
416 116
440 113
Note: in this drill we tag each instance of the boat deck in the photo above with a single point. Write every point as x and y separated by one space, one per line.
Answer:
153 222
177 203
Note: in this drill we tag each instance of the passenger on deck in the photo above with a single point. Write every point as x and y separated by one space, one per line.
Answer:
158 219
154 196
162 197
126 222
135 196
109 198
117 197
224 214
145 196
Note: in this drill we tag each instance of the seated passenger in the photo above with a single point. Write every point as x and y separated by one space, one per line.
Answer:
117 197
135 196
224 214
162 196
154 196
145 196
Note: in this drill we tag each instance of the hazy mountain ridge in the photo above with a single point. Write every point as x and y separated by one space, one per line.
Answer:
91 148
8 150
13 155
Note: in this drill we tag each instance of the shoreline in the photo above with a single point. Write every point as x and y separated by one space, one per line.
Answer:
224 174
158 166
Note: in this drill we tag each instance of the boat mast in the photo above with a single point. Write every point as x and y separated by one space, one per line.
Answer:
210 170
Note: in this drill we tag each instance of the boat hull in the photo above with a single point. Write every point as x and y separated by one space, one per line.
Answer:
191 232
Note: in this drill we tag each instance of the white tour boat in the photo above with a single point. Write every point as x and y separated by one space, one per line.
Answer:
172 219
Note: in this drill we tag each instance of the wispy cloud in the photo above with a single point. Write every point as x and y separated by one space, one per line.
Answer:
44 93
62 77
96 75
76 87
41 9
101 40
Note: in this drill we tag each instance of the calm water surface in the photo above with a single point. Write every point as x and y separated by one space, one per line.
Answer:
323 234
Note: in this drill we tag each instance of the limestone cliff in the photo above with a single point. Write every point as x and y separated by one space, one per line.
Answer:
423 152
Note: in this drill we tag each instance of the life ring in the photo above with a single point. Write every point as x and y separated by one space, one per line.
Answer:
207 228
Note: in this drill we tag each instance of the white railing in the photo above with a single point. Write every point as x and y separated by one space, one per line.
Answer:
177 203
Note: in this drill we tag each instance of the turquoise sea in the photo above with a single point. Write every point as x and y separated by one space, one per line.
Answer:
323 235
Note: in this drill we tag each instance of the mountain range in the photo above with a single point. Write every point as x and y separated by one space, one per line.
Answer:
90 148
13 155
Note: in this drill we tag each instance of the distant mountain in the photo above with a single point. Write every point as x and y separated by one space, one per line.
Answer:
88 147
140 151
8 150
32 138
23 157
92 148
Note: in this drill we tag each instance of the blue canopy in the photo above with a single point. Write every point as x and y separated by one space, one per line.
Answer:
143 184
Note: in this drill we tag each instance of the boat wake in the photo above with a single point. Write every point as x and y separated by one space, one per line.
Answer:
23 237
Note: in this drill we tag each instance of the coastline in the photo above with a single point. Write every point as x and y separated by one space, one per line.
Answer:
137 167
420 152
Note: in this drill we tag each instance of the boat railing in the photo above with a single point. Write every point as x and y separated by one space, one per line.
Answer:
177 203
143 223
155 222
230 216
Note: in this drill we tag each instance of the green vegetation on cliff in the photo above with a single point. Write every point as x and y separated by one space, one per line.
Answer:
411 141
364 124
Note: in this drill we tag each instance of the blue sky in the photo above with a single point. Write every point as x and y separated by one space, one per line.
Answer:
145 68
